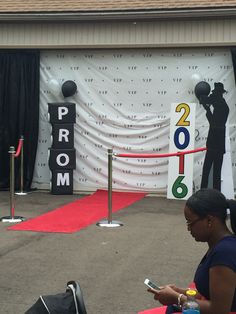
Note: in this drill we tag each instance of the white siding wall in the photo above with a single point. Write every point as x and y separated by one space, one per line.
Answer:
118 34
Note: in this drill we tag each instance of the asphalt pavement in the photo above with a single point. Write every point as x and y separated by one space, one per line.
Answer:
109 263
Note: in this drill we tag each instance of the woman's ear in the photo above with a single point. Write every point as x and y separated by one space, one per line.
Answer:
210 220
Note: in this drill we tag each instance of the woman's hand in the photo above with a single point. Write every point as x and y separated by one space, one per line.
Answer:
177 289
166 296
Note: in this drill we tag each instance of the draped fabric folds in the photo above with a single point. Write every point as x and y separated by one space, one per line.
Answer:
19 111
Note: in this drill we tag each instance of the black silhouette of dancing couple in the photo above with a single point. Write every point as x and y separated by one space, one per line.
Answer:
217 112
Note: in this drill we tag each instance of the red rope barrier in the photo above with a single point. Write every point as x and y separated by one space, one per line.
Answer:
161 155
20 143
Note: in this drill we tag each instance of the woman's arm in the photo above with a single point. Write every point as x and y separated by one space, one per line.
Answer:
222 287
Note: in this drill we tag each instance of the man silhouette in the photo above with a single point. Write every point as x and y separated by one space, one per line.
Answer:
215 144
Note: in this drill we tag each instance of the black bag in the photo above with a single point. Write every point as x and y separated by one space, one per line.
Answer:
69 302
172 309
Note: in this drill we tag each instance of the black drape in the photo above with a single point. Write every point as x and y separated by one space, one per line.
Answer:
233 54
19 111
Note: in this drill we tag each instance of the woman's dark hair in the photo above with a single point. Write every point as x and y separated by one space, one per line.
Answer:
212 202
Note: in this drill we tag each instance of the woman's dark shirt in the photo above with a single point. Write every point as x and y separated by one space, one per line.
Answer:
223 254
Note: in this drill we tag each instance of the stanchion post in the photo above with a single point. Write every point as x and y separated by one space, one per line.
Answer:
110 153
12 179
109 222
12 217
21 169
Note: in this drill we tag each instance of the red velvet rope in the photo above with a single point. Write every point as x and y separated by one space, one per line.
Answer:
20 143
161 155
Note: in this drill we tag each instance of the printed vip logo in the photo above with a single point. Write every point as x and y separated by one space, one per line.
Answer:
88 104
84 133
147 55
102 116
147 104
126 171
142 136
83 156
41 164
208 79
83 180
178 54
140 184
127 126
42 141
133 67
99 122
47 92
162 67
161 117
225 67
177 80
97 169
209 54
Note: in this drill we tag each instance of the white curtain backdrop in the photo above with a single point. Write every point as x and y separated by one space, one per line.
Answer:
123 102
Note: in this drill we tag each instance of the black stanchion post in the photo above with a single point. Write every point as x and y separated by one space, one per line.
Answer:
109 222
12 217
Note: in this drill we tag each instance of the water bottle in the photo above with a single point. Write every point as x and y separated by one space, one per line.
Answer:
191 306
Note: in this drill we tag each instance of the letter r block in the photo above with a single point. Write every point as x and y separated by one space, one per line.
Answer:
63 136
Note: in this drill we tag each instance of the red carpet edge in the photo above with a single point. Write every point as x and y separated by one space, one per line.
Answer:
79 214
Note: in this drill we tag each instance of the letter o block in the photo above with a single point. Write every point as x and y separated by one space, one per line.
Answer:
62 159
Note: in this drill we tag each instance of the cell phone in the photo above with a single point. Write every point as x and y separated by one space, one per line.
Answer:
151 284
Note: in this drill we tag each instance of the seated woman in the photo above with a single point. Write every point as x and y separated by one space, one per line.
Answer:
215 278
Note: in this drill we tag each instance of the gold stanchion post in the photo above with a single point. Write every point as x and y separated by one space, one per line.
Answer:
109 222
12 217
21 192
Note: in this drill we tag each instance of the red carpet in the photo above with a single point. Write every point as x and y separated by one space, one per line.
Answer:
157 310
80 213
